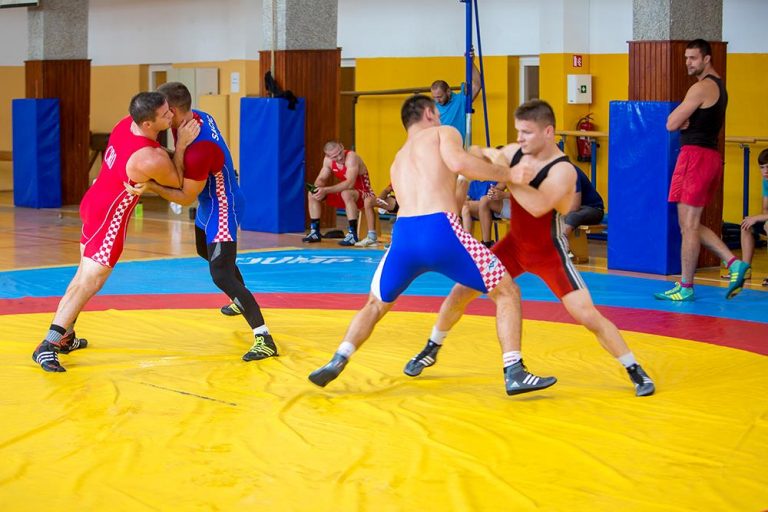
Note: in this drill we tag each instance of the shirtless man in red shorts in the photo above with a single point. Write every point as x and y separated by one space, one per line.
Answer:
536 243
133 155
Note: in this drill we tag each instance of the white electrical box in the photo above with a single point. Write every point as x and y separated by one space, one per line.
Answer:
579 89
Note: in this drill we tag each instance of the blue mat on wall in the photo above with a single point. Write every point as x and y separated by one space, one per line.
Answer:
36 153
645 236
272 165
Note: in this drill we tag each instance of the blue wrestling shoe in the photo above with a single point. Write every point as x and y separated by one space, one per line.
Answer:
737 272
519 380
325 374
423 359
676 294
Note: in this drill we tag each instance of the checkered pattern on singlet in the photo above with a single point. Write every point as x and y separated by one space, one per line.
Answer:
222 234
102 256
368 190
491 269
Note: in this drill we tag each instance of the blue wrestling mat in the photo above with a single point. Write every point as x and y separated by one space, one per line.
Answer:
350 271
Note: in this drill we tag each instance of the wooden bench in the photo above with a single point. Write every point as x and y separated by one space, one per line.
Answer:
577 241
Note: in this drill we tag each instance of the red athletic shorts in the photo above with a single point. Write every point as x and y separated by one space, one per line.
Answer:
697 175
334 199
548 260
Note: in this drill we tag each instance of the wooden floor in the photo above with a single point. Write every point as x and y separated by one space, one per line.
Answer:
45 237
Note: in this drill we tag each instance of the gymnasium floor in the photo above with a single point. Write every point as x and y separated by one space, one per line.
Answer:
160 413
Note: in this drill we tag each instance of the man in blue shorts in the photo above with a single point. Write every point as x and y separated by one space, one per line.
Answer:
428 237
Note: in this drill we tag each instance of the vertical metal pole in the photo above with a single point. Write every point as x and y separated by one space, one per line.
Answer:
745 199
561 144
594 162
482 76
468 72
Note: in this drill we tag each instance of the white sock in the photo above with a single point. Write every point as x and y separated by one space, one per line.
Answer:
627 359
437 337
372 235
511 358
261 330
346 349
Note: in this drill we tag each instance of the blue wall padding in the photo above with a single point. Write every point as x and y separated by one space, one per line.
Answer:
645 236
36 153
272 165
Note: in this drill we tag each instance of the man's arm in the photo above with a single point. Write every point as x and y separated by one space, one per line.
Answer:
155 164
184 196
554 193
386 192
694 98
576 202
186 135
322 178
459 161
324 175
152 164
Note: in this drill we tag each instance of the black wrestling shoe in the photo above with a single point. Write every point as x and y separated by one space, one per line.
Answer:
423 359
47 356
312 238
262 348
325 374
519 380
231 309
71 342
643 383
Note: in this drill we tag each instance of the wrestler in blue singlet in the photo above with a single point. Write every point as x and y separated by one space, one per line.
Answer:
221 201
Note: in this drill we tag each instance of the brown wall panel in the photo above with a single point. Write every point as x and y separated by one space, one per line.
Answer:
70 82
314 75
657 72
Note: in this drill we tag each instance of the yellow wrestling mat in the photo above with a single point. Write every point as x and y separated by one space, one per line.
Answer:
165 416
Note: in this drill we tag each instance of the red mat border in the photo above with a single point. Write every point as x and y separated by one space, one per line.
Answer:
739 334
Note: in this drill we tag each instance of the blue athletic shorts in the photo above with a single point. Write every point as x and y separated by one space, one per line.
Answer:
434 243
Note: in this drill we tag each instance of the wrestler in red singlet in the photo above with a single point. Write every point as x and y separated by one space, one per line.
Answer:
106 207
538 244
362 185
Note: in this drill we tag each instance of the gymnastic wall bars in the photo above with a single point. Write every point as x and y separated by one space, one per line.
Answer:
382 92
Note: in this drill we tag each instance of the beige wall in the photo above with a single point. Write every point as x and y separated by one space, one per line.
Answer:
12 80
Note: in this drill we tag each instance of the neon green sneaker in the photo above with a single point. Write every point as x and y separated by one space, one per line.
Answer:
725 273
738 274
677 294
263 347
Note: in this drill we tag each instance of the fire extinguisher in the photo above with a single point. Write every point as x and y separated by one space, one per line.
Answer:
584 144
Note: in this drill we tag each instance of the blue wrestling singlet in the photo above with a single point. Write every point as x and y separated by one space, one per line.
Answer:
221 202
434 243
